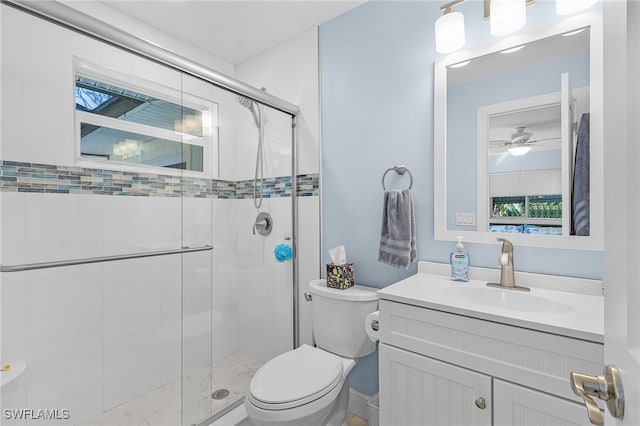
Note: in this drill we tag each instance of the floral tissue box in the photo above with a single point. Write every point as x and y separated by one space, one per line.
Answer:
340 276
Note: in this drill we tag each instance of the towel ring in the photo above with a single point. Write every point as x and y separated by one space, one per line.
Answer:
399 170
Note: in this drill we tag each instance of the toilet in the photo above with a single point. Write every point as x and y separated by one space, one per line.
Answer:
308 386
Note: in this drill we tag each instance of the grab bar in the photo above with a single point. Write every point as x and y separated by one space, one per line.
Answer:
56 264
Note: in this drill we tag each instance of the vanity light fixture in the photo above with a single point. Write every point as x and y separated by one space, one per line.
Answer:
519 150
450 29
507 16
569 7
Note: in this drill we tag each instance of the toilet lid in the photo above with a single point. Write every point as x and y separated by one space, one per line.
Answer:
296 375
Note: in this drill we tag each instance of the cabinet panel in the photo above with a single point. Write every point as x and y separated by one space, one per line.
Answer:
541 360
519 406
417 390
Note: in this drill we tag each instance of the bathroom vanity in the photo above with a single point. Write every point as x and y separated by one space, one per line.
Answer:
455 353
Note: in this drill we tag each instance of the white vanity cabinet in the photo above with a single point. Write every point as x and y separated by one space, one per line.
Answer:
418 390
520 406
442 368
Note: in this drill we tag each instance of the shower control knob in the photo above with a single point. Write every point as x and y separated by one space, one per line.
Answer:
263 224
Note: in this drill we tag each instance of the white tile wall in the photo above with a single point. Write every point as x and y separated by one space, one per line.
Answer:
167 329
13 215
225 291
113 16
64 340
245 144
139 224
196 221
290 71
196 311
250 258
40 131
228 112
12 100
63 227
277 143
13 326
277 279
264 285
132 317
131 310
309 252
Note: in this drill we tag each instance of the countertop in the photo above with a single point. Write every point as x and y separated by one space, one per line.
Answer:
565 313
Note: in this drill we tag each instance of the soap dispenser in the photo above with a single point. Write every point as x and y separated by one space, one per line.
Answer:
459 260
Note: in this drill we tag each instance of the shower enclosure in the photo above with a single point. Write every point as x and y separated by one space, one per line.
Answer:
134 286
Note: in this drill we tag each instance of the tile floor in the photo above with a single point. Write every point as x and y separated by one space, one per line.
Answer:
162 406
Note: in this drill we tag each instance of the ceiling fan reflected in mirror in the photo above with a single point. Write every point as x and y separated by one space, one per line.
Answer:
519 144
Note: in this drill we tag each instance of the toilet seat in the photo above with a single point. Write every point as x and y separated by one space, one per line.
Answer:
295 378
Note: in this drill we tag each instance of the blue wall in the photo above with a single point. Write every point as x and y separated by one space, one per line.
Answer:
377 111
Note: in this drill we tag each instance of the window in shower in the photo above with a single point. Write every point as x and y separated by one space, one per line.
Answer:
137 123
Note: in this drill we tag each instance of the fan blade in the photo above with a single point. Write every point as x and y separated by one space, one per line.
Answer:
499 148
542 140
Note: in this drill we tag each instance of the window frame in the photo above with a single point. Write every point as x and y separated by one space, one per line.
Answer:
208 109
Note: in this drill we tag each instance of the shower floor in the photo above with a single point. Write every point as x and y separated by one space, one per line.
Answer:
162 406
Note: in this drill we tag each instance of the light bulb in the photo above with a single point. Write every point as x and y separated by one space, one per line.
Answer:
519 150
507 16
450 32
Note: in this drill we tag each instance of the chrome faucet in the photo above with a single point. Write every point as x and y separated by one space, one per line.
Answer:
507 278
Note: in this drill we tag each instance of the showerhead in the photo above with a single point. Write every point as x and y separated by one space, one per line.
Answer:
251 106
245 102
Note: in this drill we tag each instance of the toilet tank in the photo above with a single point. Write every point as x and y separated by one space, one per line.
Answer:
338 318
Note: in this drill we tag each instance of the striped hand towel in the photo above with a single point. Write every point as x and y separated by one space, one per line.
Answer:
398 234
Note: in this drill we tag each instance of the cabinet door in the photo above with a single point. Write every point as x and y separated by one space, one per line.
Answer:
417 390
519 406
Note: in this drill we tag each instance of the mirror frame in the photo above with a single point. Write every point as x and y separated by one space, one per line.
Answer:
595 241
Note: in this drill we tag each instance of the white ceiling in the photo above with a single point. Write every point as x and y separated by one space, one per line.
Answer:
235 30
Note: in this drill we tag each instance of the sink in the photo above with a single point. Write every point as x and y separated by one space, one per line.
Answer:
506 299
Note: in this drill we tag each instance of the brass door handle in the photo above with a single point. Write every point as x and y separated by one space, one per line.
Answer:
607 387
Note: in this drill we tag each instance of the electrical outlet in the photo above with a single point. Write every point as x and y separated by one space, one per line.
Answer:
466 219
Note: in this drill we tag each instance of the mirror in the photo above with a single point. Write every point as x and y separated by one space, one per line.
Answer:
507 139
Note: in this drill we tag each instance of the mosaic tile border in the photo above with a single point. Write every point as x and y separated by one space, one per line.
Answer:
47 178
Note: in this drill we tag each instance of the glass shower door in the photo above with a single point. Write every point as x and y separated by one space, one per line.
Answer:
237 300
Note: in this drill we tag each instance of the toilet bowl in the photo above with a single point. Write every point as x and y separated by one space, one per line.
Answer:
308 386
